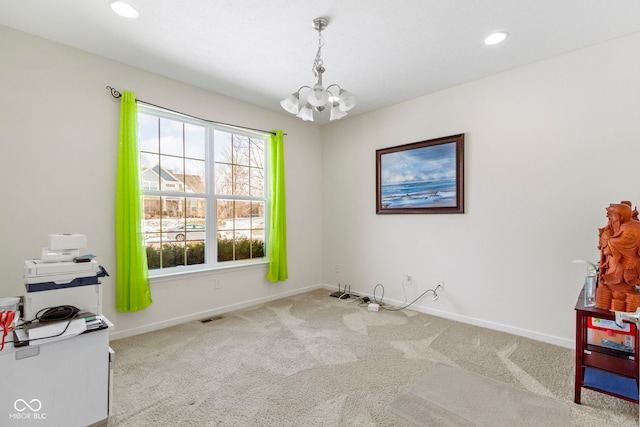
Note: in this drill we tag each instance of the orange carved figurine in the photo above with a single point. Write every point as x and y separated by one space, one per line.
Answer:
619 245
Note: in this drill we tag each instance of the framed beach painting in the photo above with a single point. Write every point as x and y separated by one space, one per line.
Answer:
425 177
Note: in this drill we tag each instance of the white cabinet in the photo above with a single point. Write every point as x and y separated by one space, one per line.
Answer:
63 383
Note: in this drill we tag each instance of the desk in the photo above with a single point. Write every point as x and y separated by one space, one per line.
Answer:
60 383
616 371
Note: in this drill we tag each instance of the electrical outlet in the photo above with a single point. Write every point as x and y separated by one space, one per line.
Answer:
441 284
218 285
337 268
409 279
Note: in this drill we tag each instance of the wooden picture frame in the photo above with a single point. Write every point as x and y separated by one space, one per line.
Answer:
425 177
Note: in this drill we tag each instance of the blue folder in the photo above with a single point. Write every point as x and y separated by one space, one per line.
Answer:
612 383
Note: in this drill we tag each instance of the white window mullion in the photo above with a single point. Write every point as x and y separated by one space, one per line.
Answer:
211 246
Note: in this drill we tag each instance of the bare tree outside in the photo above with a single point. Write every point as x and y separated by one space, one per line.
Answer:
239 173
174 163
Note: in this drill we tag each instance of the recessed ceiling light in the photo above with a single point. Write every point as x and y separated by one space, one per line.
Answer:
123 9
496 38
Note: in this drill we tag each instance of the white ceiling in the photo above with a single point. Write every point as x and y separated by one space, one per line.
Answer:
384 51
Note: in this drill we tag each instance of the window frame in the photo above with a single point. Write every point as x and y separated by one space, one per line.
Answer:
210 196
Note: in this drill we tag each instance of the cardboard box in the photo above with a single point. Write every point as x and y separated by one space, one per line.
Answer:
605 333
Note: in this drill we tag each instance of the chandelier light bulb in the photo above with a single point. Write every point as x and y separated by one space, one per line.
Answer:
291 103
306 113
318 97
336 112
347 100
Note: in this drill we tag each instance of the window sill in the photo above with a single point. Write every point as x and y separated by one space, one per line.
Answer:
179 273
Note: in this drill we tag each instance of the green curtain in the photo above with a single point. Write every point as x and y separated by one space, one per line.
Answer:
133 292
278 214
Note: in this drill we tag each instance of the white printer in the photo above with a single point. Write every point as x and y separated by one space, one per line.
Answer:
51 283
44 276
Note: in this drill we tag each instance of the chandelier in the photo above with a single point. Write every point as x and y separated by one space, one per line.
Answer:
317 98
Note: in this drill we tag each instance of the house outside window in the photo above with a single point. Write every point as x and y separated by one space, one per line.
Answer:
204 192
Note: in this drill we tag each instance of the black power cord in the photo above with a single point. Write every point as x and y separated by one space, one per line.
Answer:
51 314
61 312
402 307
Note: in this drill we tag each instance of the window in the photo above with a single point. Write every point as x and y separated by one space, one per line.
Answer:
204 191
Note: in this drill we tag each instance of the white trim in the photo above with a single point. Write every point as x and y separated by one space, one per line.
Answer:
550 339
207 313
180 272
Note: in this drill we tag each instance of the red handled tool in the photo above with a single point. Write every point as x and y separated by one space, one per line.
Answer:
6 319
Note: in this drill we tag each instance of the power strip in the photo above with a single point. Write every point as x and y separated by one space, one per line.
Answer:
341 294
373 307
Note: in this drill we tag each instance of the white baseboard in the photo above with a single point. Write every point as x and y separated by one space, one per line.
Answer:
207 313
550 339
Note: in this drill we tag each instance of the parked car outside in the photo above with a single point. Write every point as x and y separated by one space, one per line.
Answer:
188 231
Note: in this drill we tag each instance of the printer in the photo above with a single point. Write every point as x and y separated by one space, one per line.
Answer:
63 277
44 276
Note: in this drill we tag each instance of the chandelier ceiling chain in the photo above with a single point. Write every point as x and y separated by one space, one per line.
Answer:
317 98
317 62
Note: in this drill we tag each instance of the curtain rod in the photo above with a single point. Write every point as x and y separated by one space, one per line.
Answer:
116 94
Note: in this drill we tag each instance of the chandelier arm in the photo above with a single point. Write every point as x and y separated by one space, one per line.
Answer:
299 91
332 85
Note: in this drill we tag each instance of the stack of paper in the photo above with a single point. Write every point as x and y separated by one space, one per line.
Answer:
53 331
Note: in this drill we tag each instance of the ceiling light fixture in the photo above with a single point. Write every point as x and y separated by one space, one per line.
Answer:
123 9
496 38
317 97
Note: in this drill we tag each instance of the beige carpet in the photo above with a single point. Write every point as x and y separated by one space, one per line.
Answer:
311 360
449 396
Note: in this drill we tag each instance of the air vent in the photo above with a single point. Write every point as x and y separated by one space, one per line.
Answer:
211 319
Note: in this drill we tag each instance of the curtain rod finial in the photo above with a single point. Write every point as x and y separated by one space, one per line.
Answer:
114 92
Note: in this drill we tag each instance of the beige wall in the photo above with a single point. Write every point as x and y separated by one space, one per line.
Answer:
548 147
58 150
